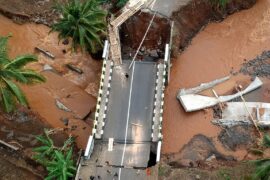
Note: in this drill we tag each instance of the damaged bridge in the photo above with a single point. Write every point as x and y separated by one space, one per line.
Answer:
127 134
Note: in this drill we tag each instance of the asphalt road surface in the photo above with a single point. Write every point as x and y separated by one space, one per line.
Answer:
129 114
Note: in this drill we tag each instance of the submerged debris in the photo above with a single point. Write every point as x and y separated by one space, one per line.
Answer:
61 106
47 53
74 68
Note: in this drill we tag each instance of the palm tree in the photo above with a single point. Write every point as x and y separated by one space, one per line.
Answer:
84 22
12 71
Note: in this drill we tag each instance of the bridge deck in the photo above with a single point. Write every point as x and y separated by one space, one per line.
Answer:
130 113
131 100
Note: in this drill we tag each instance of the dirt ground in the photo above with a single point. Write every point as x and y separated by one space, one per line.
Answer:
21 11
217 51
20 129
240 171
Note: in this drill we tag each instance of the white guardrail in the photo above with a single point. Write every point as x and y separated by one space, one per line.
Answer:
159 101
102 100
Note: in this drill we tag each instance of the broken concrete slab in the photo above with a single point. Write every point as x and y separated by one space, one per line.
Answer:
193 102
235 114
202 86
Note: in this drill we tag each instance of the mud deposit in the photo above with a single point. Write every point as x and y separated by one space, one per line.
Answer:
260 66
199 149
217 51
237 136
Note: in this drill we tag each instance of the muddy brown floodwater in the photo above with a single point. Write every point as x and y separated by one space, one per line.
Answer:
42 97
215 52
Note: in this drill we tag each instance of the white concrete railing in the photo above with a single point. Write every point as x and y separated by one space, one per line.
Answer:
158 103
103 94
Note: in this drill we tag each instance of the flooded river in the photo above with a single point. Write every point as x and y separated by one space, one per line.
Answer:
42 97
216 51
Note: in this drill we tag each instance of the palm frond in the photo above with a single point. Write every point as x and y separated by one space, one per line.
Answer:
7 100
14 70
21 61
262 171
16 91
32 76
12 74
266 140
3 50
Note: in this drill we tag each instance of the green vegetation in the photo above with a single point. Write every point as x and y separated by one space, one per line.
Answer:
224 174
12 71
220 3
263 165
57 160
121 3
117 3
84 22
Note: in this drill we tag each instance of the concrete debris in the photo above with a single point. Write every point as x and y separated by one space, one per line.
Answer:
203 86
211 158
47 53
9 145
47 67
61 106
65 121
74 68
236 114
193 102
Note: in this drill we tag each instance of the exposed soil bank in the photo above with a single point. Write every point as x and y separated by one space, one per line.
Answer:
133 30
20 130
42 97
22 11
190 18
218 50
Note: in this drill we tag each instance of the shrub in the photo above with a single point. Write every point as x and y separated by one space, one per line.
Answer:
116 3
220 3
84 22
57 160
262 165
